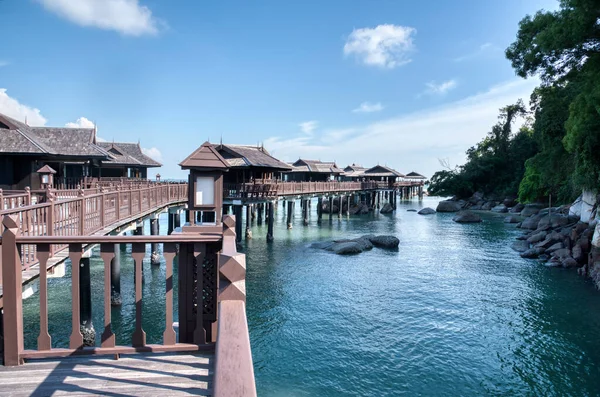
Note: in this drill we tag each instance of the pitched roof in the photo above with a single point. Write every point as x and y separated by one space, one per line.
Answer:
316 166
242 156
72 142
127 154
382 170
415 175
207 157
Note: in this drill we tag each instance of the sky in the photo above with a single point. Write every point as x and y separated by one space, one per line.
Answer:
399 83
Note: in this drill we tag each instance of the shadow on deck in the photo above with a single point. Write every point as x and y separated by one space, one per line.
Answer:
166 374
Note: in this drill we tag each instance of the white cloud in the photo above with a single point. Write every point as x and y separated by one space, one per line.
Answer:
13 108
153 153
411 142
309 126
125 16
386 46
367 107
81 122
441 88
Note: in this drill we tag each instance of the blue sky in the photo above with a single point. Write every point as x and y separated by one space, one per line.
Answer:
402 83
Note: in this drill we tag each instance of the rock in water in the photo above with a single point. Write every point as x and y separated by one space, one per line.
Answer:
531 209
448 206
532 253
346 248
531 223
500 208
466 217
426 211
386 209
383 241
517 208
536 238
411 210
511 219
520 246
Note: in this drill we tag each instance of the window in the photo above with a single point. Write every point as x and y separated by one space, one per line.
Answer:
205 191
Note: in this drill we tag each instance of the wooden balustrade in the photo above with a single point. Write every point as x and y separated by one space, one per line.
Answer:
14 351
84 215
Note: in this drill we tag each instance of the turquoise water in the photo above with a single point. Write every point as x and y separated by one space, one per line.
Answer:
454 311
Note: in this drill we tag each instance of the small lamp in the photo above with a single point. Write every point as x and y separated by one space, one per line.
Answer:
157 177
46 176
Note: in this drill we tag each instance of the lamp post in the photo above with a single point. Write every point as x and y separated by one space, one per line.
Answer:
46 177
157 177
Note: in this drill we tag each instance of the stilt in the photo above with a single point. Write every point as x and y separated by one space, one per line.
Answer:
305 212
85 302
248 231
290 214
340 205
348 205
259 214
270 222
139 231
177 220
267 211
115 278
237 209
154 231
378 200
253 211
171 223
330 208
319 209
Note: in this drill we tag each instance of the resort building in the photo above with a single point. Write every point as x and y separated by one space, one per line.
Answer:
314 171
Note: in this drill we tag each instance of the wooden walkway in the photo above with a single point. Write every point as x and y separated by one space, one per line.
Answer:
165 374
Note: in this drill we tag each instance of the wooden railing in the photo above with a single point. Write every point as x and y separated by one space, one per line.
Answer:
84 215
219 290
271 190
14 351
14 198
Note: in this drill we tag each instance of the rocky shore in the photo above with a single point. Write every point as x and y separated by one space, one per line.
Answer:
358 245
567 236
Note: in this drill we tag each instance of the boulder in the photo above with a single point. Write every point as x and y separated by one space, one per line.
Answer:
411 210
466 217
520 246
476 207
569 262
500 208
489 205
426 211
359 209
536 238
383 241
554 247
511 219
363 243
578 254
532 253
347 248
386 209
562 253
531 209
531 223
448 206
324 245
509 202
517 208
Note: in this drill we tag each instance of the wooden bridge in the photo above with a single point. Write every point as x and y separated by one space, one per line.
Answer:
208 353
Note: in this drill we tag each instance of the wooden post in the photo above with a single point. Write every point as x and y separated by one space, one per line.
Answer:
12 293
348 205
248 230
85 305
340 205
115 277
238 222
270 221
319 209
171 223
290 214
259 214
330 208
154 231
304 212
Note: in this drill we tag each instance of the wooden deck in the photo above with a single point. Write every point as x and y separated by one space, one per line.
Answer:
154 374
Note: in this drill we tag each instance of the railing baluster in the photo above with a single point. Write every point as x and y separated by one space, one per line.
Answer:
199 332
75 254
169 252
107 252
44 339
138 253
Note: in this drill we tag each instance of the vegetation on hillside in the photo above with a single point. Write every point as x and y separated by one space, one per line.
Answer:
558 152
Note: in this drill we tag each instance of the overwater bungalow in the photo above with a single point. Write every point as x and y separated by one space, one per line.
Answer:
314 171
381 173
73 153
250 164
415 176
354 172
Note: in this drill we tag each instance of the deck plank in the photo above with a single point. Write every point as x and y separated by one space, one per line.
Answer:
154 374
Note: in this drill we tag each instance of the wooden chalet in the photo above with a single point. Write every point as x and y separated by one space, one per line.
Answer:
354 173
415 176
250 164
313 171
74 153
381 173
